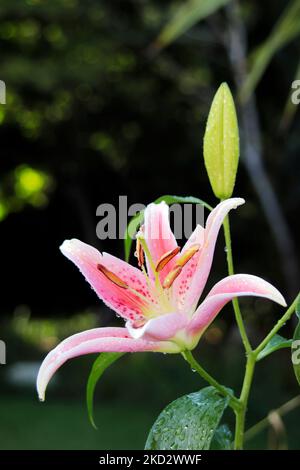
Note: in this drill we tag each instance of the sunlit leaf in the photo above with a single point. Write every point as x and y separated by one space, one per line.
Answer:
188 423
277 342
285 30
136 221
100 365
186 16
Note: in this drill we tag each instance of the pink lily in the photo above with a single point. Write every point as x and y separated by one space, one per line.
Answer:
159 303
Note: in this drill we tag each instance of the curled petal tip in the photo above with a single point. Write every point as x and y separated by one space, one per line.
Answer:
241 200
40 391
238 201
280 300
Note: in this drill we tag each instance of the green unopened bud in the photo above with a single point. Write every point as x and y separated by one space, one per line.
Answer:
221 143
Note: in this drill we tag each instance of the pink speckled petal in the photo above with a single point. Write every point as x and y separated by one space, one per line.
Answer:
182 283
94 341
158 235
237 285
122 301
201 273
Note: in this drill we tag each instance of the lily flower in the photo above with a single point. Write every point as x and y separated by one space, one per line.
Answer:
159 299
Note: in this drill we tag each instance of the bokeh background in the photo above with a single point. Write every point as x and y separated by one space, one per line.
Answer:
109 98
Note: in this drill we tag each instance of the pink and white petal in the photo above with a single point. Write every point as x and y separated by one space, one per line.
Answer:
161 328
122 301
132 276
158 235
247 284
213 225
181 284
95 341
238 285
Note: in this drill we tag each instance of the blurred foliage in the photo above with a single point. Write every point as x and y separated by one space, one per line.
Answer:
184 16
24 185
47 333
285 30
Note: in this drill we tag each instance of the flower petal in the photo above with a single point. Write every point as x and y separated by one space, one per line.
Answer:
247 284
121 300
158 235
94 341
161 328
181 284
237 285
214 221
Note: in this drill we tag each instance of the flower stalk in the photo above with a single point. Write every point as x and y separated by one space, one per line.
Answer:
235 302
252 355
234 402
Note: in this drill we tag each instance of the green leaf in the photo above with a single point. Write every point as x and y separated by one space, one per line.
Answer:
286 29
296 345
277 342
221 143
185 17
103 361
222 439
188 423
137 220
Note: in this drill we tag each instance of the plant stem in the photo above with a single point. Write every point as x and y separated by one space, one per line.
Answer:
234 402
281 411
235 302
241 413
278 325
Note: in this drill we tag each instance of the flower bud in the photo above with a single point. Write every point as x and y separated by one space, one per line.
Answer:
221 143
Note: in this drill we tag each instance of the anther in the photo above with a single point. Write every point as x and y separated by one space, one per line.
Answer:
170 278
187 255
139 253
164 260
111 276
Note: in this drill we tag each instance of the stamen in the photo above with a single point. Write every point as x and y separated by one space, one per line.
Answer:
187 255
139 253
111 276
170 278
164 260
183 259
164 301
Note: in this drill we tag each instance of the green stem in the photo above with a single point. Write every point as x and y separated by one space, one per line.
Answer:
235 302
278 325
251 358
241 413
234 402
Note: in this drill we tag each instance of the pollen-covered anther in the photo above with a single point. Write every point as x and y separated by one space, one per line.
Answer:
111 276
170 278
164 260
187 255
139 253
